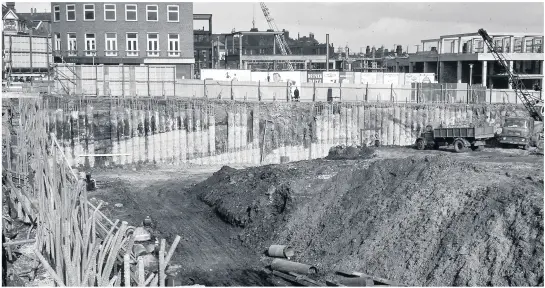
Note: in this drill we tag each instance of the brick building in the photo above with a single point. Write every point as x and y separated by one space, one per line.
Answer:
124 33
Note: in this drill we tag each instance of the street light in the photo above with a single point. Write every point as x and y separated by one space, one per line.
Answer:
470 74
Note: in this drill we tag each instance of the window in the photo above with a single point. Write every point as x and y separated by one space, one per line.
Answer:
56 13
173 13
89 12
111 44
72 48
132 44
71 12
109 12
152 13
153 44
173 45
57 42
130 12
90 44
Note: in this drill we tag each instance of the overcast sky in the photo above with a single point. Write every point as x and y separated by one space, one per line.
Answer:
362 24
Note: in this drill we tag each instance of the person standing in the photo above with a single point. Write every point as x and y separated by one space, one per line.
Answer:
296 95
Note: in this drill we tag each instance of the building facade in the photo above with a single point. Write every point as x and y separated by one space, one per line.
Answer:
465 58
124 33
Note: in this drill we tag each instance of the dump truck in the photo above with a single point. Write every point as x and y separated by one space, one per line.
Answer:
521 132
461 138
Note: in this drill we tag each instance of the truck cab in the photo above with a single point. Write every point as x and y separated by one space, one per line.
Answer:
520 131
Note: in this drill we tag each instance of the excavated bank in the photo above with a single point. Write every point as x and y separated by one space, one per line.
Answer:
423 220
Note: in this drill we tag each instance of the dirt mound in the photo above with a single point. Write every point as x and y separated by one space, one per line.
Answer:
349 153
429 220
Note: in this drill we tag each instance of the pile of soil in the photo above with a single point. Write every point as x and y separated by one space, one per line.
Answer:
422 220
350 153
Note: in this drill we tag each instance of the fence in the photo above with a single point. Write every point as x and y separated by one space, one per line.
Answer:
75 242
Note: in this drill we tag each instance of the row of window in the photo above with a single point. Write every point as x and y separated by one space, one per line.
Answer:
111 49
110 12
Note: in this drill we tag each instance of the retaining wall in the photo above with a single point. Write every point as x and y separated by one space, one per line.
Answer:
228 132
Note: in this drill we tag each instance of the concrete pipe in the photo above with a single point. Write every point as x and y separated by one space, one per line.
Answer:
281 251
358 282
289 266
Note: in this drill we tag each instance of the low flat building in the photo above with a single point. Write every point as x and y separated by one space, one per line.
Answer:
465 58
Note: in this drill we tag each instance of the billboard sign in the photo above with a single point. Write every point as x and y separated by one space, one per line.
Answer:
315 77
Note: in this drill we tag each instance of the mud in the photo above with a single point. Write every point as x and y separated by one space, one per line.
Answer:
420 218
350 153
209 252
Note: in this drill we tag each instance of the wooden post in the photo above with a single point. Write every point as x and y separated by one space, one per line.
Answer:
123 80
366 91
340 91
174 81
259 90
96 80
48 72
204 87
288 91
441 95
31 66
491 87
313 91
149 91
417 93
232 95
392 92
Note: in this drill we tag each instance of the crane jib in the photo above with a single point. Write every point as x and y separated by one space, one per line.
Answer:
530 102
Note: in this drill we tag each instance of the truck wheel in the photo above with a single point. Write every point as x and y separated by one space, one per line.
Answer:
477 148
459 146
420 145
436 146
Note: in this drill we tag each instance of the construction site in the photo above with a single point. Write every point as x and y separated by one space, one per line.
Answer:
140 175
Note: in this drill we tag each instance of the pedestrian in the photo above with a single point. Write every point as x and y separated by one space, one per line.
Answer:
296 95
268 77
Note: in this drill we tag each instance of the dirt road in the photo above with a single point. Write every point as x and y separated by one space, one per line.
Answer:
208 252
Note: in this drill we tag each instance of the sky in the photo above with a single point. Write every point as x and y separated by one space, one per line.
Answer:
358 24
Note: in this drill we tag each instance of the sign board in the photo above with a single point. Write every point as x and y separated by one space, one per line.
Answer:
419 78
391 78
315 77
346 77
331 77
368 78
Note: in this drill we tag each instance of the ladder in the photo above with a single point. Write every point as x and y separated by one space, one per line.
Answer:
280 39
530 102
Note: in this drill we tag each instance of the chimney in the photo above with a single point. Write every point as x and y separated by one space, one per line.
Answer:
11 5
399 50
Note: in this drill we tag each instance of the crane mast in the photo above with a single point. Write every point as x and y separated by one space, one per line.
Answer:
533 104
280 39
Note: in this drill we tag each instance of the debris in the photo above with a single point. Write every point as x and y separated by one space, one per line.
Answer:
118 205
139 249
141 234
289 266
281 251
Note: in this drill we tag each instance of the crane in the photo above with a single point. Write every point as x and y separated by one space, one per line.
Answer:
533 104
280 39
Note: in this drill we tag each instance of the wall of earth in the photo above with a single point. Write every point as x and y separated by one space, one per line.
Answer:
139 131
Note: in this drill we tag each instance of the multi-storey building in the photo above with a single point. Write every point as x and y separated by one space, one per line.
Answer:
125 33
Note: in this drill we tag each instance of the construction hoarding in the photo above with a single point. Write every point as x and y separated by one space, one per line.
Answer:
369 78
347 77
226 75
